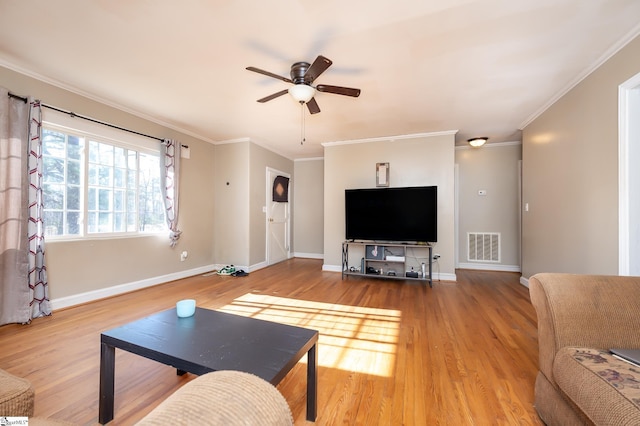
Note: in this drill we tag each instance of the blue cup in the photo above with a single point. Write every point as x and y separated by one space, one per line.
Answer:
186 308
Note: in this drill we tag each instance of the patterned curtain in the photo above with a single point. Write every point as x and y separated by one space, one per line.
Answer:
169 174
17 228
38 285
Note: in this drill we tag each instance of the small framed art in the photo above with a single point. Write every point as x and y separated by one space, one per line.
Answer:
382 174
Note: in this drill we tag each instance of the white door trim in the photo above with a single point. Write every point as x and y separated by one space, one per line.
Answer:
271 171
628 149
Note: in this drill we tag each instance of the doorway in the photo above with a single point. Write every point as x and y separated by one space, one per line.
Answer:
629 177
278 216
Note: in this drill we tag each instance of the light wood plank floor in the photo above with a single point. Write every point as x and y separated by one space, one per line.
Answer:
390 352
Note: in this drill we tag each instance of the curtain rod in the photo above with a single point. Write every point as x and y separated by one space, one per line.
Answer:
11 95
74 115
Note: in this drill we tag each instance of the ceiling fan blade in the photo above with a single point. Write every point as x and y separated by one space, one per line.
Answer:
347 91
313 106
270 74
319 66
275 95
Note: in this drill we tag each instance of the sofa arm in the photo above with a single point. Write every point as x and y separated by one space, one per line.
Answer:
222 398
584 310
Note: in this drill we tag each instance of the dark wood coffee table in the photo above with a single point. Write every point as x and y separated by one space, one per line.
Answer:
210 341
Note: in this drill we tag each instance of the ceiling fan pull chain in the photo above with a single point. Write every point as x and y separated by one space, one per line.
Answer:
302 126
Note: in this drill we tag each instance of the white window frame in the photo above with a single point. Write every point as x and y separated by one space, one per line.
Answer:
64 123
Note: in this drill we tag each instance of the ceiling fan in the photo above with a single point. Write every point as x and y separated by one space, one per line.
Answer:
302 75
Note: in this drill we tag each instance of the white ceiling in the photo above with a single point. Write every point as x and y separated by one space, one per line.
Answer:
482 67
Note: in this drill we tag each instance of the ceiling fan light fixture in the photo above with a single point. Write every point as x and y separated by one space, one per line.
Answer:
302 92
477 142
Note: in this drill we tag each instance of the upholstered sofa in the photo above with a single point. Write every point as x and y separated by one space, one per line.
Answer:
581 317
218 398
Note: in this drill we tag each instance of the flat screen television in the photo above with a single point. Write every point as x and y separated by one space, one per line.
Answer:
406 214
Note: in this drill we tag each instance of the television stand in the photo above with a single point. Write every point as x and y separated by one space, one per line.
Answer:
397 261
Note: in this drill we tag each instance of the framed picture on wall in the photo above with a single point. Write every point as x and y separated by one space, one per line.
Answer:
382 174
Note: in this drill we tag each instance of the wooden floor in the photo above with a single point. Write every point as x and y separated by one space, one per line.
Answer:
390 352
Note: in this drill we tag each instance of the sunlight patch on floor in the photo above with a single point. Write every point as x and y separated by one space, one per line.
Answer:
352 338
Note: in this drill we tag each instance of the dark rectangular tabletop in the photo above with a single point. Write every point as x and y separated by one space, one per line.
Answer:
210 341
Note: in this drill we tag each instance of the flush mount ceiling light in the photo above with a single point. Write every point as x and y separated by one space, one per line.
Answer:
302 93
477 142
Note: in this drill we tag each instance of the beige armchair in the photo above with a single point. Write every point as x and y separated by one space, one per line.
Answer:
581 317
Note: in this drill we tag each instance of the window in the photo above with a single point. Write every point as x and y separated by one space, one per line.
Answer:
95 186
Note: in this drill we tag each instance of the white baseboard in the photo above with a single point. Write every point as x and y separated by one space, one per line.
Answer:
331 268
524 281
90 296
445 277
258 266
309 255
490 267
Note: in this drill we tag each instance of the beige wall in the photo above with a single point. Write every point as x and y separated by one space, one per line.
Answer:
231 204
495 169
240 183
77 267
422 160
308 187
570 175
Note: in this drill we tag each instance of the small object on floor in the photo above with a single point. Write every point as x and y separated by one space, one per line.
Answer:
239 273
227 270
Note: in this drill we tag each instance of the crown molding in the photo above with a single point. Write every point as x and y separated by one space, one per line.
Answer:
229 141
489 145
389 138
615 48
297 160
79 92
255 141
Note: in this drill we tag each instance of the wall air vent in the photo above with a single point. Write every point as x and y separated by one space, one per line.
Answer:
483 246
